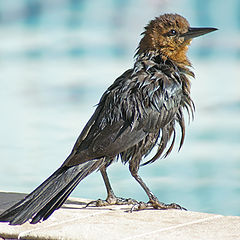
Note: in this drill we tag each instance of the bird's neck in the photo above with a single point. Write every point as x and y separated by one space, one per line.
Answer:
159 59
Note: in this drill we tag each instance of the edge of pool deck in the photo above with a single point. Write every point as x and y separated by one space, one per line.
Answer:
72 221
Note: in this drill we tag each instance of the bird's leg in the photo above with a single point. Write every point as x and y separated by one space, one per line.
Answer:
111 198
153 200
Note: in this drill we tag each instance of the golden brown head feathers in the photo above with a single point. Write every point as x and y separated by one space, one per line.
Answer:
163 34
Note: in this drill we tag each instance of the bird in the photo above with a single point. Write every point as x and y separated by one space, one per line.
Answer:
136 115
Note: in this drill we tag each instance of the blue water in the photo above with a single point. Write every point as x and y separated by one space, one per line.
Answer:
58 57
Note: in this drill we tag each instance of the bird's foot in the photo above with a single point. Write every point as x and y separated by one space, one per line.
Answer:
113 200
156 205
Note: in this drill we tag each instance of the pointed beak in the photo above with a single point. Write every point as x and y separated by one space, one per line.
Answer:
196 32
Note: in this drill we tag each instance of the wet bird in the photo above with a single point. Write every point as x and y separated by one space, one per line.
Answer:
136 113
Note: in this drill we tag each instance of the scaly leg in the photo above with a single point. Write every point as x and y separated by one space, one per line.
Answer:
111 198
153 200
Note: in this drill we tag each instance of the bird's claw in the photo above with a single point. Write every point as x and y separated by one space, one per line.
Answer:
156 205
139 206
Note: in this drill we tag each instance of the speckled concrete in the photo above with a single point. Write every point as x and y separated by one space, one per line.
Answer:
73 221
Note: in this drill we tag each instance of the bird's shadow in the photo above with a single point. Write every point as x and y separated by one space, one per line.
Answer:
74 204
82 205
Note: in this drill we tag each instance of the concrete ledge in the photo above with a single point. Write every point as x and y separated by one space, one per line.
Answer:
74 222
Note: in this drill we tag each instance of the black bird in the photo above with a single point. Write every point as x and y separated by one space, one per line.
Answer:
137 112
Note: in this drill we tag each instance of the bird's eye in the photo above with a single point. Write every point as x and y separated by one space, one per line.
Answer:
172 32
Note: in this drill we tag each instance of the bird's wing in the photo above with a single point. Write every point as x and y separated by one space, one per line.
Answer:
132 107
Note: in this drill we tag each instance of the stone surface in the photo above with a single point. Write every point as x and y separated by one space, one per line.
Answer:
73 221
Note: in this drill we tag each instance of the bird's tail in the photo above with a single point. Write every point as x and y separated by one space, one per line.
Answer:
50 195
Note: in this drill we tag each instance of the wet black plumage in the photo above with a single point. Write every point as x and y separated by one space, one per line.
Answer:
137 112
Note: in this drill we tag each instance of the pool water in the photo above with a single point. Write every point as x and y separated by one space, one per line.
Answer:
57 59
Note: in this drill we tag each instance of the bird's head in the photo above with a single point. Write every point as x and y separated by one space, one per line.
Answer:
170 35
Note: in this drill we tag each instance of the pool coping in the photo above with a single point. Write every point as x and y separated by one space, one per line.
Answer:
73 221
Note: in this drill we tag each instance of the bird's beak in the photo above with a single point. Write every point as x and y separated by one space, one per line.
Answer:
196 32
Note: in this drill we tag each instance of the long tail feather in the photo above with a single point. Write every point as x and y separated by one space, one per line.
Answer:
50 195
